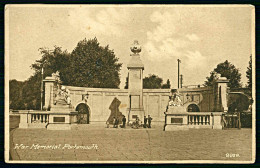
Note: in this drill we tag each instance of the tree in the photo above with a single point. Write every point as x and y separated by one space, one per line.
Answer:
167 85
126 83
93 66
52 61
31 92
249 74
228 70
15 94
89 65
152 82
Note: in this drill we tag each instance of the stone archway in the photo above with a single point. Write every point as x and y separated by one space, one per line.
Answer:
83 113
193 108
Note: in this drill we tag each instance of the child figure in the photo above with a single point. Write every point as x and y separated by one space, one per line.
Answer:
107 123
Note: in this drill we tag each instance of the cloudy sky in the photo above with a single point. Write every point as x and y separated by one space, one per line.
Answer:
200 36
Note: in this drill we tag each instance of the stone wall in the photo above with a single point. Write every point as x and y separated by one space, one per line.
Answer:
154 101
203 97
99 101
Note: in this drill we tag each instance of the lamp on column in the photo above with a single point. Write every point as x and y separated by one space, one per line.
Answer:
85 97
187 95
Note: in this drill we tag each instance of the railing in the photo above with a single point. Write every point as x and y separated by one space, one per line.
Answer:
232 120
199 118
39 118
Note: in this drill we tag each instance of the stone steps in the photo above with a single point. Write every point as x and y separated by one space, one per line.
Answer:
87 126
58 127
37 125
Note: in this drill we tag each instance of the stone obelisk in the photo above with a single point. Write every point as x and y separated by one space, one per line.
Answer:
135 84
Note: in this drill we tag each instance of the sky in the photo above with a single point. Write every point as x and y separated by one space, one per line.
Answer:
200 36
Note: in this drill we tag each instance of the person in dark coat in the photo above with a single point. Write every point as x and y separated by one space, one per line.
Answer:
149 121
124 121
145 122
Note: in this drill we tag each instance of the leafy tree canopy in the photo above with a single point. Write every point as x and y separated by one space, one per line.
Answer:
15 94
152 82
249 74
93 66
167 85
228 70
89 65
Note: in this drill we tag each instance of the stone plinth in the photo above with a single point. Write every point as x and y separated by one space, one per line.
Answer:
217 120
136 112
221 84
135 84
23 120
49 83
176 118
59 121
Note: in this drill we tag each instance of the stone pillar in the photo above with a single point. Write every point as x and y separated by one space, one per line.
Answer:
23 119
221 91
49 85
135 84
217 120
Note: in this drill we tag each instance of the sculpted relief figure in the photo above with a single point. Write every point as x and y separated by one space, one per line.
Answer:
63 94
67 96
56 75
174 99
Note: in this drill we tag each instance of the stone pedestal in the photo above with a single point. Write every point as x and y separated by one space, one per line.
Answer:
136 113
135 84
23 120
176 118
59 121
221 93
217 120
49 87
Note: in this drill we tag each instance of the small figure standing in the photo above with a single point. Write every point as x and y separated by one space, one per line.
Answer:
149 121
145 122
107 124
124 121
137 121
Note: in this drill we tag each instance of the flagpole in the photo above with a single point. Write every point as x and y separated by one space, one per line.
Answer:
179 61
41 87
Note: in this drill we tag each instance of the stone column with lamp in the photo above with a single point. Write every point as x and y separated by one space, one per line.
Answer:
221 86
135 84
220 101
49 83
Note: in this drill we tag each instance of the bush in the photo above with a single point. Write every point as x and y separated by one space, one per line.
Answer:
246 120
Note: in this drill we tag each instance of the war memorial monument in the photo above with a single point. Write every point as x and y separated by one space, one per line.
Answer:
183 108
189 124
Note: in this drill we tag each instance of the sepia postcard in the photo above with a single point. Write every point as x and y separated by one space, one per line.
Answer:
130 84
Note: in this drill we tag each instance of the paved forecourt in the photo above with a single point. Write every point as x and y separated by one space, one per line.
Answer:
86 143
